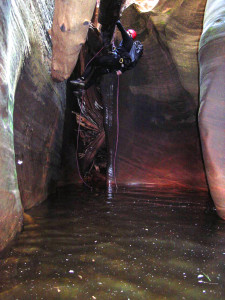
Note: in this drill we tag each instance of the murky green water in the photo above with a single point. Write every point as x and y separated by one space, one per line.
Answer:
138 245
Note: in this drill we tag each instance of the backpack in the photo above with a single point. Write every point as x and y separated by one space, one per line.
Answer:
135 53
130 59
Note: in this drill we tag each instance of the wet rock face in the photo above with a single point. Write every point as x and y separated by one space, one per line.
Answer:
38 130
109 13
158 139
10 205
179 26
30 132
212 101
158 100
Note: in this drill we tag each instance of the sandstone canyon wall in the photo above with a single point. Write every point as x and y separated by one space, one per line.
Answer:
32 111
212 97
159 142
69 30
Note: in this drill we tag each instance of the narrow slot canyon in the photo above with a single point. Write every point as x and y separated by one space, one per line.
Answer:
115 191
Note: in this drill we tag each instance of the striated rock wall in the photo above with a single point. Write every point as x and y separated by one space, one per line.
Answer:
36 123
179 24
158 100
158 140
212 100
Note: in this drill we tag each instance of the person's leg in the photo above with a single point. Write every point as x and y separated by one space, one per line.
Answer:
87 71
99 61
93 69
81 81
102 65
99 71
99 66
107 62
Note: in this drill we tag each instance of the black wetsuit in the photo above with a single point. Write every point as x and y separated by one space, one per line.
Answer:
126 44
108 63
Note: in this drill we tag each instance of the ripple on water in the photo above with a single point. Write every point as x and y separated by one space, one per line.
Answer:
139 245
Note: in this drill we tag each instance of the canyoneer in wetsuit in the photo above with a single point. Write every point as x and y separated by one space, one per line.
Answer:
118 60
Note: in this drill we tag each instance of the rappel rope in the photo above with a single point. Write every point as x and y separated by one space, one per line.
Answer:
117 129
94 57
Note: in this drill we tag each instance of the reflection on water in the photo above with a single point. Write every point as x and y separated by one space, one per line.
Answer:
134 245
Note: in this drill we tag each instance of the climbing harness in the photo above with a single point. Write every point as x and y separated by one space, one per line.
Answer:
121 62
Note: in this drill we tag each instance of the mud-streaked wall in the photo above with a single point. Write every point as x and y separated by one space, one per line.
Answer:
25 81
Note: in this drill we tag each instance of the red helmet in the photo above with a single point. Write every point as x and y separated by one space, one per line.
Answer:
132 32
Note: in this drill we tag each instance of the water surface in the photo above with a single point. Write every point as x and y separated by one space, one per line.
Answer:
135 244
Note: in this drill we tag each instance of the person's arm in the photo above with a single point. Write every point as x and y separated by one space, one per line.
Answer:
124 33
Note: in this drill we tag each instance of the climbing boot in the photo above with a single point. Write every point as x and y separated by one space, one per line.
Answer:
78 93
79 82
